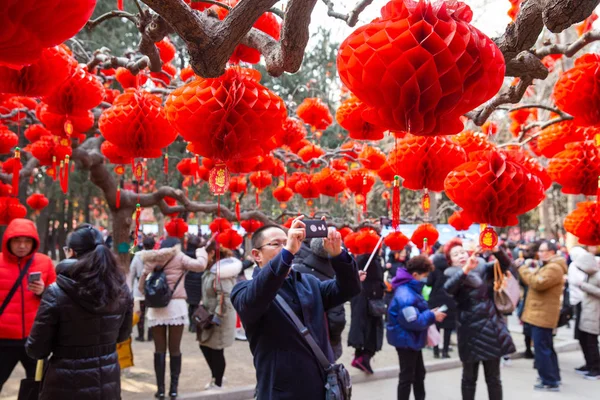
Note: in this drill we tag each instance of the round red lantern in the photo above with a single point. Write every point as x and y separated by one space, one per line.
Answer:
396 241
77 122
188 166
576 90
584 222
314 112
283 194
230 239
307 188
349 116
530 164
425 231
473 141
10 208
35 132
421 66
176 227
293 132
114 154
260 179
37 201
553 139
360 181
366 241
294 179
251 225
310 152
8 139
129 80
238 184
5 189
329 182
339 164
460 221
219 225
350 241
50 150
345 231
242 165
371 158
166 49
81 91
577 168
386 173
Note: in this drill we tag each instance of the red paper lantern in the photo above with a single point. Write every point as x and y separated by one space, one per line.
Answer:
293 132
350 241
371 158
386 173
531 164
204 112
129 80
366 241
219 225
329 182
176 227
351 149
35 132
238 184
345 231
299 145
188 166
553 139
294 179
307 188
261 180
136 123
339 164
360 181
197 5
243 165
171 202
460 221
10 208
310 152
186 73
584 222
425 231
166 74
50 150
349 116
251 225
81 91
230 239
424 162
577 168
272 165
8 139
166 49
77 122
5 189
576 91
396 241
39 78
421 66
493 189
473 141
29 28
283 194
314 112
114 154
37 201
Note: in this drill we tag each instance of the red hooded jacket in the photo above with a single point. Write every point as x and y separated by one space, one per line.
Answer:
18 316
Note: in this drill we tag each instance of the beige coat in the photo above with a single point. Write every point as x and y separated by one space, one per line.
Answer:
546 284
175 264
590 305
216 299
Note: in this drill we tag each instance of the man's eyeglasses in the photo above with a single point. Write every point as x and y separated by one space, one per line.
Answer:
272 244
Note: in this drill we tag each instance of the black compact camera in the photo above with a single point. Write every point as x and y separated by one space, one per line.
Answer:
315 228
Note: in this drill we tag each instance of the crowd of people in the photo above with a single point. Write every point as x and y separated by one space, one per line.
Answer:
287 298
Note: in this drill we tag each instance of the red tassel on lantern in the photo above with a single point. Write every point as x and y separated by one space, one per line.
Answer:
120 5
118 199
138 212
257 198
396 203
54 169
166 164
237 209
64 174
16 172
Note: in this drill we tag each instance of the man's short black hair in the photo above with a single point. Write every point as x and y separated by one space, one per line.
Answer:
148 243
259 235
551 245
419 264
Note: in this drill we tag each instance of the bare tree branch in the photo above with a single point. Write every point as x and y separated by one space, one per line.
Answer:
352 17
571 49
92 23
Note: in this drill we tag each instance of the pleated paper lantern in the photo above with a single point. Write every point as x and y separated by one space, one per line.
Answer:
350 241
424 162
197 5
176 227
219 225
292 133
50 150
238 184
136 123
366 241
371 158
584 222
171 202
8 139
349 116
35 132
472 141
351 149
310 152
396 241
345 231
188 167
283 194
577 168
37 201
531 164
40 78
339 164
79 121
261 180
421 66
243 165
576 91
553 139
492 189
329 182
113 154
272 165
386 173
307 188
81 91
166 49
205 113
29 28
460 221
10 208
230 239
5 189
360 181
251 225
425 231
299 145
294 179
129 80
314 112
186 73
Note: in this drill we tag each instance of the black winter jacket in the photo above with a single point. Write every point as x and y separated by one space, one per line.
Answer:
82 336
482 332
438 296
193 282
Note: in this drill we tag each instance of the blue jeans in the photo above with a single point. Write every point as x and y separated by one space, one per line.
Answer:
545 356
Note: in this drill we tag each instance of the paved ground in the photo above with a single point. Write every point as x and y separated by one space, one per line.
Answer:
518 380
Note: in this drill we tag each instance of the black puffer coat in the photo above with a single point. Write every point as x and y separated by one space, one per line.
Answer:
193 281
438 296
82 336
482 332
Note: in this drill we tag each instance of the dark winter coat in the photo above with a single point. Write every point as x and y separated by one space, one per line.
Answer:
366 331
285 365
409 315
438 296
193 281
482 332
82 336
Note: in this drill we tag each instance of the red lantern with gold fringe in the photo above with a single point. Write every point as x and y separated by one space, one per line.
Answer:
82 91
261 179
292 133
176 227
314 112
360 181
238 184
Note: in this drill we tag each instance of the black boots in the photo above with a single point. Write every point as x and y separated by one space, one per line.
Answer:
159 370
175 362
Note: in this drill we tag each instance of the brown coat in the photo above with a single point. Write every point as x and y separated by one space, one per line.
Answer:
546 284
175 264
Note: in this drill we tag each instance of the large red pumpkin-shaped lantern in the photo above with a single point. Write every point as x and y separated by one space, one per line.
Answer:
251 225
35 132
350 242
424 162
396 241
166 50
584 222
37 201
349 116
65 125
238 184
29 27
136 123
576 91
292 133
10 208
307 188
188 167
493 189
81 91
553 139
371 158
260 180
8 139
577 168
472 141
366 241
114 154
329 181
460 221
421 66
315 113
530 164
176 227
425 232
283 194
226 118
242 165
219 225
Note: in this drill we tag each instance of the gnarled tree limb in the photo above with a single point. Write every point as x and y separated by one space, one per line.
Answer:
352 17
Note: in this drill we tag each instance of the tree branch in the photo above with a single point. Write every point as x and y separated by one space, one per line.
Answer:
352 17
571 49
92 23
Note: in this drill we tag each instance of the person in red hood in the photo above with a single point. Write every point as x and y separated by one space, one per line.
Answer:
17 311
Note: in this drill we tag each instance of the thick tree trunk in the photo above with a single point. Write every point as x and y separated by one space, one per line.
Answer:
122 224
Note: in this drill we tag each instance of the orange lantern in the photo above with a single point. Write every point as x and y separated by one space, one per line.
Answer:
371 158
349 116
576 90
577 168
425 233
314 112
460 221
329 182
396 241
584 222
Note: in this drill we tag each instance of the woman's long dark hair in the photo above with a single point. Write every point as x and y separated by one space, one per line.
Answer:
96 269
223 252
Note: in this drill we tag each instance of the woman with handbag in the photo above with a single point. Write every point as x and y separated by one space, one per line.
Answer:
368 309
483 336
174 317
80 321
217 284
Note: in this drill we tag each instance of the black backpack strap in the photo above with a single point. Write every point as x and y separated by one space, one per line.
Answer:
305 333
13 290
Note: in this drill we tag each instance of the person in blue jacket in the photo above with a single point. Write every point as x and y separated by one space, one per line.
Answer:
286 367
408 321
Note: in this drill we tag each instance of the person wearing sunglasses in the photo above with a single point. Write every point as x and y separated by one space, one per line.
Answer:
285 366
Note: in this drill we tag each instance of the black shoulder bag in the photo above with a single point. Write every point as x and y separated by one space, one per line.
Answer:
338 385
13 289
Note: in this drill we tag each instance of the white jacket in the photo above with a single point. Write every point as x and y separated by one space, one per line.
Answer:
576 277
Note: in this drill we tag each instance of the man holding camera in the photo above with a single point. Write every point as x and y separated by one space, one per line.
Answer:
285 365
23 277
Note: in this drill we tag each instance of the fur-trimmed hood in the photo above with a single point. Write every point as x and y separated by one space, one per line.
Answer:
228 268
160 257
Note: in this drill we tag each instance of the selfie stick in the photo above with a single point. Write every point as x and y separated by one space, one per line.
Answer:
373 254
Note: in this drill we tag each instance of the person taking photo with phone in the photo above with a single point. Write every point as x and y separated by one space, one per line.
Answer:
24 275
286 367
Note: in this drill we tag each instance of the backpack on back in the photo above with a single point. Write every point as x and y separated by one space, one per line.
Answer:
156 290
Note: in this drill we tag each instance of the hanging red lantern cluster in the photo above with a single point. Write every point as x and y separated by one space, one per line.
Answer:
576 91
360 181
251 225
10 208
425 234
65 125
371 158
260 179
8 139
176 227
396 241
238 184
577 168
293 132
424 162
311 152
361 242
531 164
230 239
50 150
584 222
472 141
553 139
493 189
171 202
329 182
219 225
37 201
421 66
226 118
460 221
349 116
127 80
314 112
29 28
